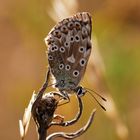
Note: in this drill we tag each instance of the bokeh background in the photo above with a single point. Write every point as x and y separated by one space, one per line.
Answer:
113 70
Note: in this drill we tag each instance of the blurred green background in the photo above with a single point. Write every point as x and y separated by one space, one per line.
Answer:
23 27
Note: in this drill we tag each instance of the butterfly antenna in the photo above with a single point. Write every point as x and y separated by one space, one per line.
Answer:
96 94
97 101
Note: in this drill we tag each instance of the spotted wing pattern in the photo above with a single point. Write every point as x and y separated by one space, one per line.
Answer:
69 48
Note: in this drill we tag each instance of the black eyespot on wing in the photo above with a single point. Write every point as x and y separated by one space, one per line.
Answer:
75 73
62 49
66 44
77 38
77 25
70 25
72 39
82 62
61 66
64 29
57 33
67 67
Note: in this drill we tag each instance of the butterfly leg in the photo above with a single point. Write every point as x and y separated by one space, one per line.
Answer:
65 98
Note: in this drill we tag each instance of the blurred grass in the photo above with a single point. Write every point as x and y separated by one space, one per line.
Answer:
24 25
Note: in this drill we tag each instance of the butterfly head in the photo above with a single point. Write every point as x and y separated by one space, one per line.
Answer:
80 91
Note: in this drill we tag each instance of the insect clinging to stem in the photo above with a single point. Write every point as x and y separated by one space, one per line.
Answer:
69 48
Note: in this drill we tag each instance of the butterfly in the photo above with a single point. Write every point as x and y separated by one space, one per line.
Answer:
69 48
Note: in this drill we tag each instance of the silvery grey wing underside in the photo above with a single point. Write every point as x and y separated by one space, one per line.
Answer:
69 48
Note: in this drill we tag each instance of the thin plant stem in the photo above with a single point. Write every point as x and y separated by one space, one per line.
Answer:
74 134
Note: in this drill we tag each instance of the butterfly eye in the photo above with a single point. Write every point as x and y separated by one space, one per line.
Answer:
81 49
50 57
61 66
77 38
82 62
67 67
62 49
75 73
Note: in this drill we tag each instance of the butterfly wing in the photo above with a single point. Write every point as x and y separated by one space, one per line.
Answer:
69 48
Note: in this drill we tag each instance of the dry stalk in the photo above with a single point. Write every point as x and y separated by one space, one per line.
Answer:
74 134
